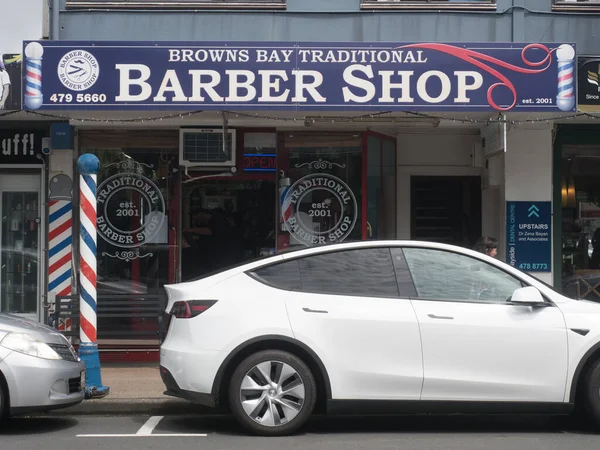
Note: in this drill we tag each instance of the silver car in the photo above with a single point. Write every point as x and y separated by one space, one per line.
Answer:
39 369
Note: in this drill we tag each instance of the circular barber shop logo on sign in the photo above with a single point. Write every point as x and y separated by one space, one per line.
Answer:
319 209
78 70
131 210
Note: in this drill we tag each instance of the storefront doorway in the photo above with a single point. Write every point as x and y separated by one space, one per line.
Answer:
226 221
20 252
446 209
335 187
577 212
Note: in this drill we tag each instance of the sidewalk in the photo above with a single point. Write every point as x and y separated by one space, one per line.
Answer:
134 389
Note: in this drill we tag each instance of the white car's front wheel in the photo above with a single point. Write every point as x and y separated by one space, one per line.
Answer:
590 397
3 404
272 393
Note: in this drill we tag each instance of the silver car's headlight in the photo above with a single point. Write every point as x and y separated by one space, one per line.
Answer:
28 345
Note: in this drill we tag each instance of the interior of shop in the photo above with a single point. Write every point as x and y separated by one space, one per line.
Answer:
580 197
225 222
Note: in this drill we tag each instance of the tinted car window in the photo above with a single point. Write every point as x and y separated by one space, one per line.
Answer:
283 275
365 272
450 276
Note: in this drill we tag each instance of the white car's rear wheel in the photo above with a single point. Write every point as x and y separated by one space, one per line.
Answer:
272 393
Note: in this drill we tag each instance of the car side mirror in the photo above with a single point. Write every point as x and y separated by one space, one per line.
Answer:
528 296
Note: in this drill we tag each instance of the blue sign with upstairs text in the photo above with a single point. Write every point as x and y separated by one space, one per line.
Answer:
529 236
300 76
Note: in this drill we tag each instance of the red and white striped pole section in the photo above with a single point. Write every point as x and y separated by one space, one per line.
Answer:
88 166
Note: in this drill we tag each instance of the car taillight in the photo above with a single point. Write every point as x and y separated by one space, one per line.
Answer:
190 308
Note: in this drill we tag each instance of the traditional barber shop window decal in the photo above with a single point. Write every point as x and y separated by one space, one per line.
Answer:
131 210
319 209
320 164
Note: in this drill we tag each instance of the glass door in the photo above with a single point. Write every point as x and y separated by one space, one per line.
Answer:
320 182
20 237
379 185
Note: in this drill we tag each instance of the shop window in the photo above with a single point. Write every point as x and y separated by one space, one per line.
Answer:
580 198
441 275
178 4
137 219
365 272
428 4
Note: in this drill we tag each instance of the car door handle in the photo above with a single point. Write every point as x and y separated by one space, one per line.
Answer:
433 316
320 311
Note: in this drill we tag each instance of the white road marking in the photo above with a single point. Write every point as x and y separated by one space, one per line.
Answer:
145 431
149 426
137 435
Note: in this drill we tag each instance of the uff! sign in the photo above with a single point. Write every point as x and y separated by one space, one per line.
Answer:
20 147
300 76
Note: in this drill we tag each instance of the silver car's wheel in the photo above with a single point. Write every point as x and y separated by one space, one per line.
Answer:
272 393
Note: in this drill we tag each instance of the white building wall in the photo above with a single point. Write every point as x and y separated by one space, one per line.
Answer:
23 20
528 172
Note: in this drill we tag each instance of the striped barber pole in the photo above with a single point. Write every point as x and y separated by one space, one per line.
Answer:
285 201
60 252
87 261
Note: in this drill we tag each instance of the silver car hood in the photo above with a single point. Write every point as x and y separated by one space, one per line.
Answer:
15 324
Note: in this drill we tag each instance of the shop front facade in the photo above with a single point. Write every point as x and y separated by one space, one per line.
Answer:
215 153
576 156
23 174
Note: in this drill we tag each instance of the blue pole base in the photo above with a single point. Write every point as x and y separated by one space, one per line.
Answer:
88 352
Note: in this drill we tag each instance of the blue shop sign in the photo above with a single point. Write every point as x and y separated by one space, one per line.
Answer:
298 76
529 236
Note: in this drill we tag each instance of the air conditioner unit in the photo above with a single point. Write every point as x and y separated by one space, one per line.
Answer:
203 147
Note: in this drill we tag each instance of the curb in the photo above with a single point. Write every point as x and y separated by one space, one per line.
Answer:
129 406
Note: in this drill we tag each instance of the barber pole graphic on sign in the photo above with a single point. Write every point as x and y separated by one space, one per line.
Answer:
60 238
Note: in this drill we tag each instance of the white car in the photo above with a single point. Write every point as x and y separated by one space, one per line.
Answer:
379 327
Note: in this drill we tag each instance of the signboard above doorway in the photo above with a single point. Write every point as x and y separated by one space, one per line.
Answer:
20 147
300 76
589 84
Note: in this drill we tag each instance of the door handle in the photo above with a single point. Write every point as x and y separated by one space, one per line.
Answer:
433 316
320 311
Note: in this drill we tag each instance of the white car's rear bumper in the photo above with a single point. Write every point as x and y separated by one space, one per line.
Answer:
190 374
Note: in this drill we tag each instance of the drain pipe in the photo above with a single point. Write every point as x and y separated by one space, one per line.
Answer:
518 21
55 20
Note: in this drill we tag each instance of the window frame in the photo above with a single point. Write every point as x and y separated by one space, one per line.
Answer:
587 6
383 5
176 4
251 273
481 302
